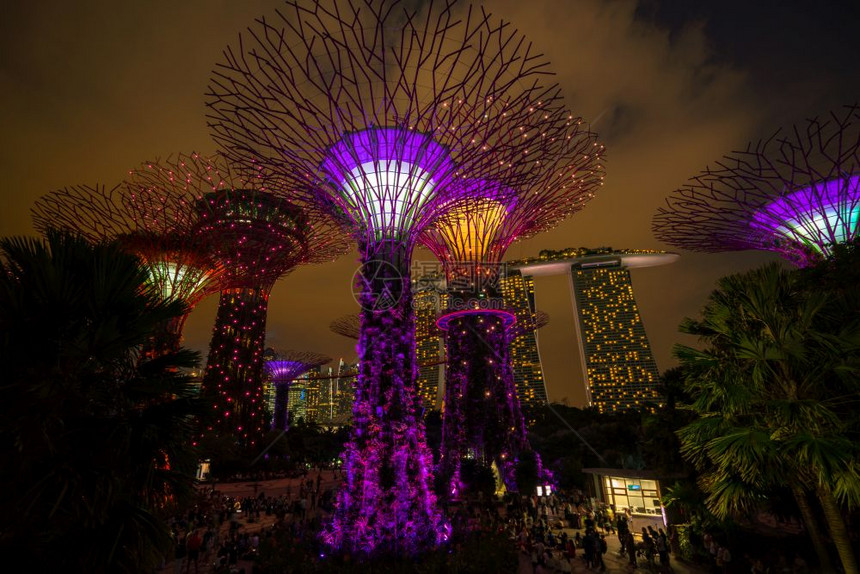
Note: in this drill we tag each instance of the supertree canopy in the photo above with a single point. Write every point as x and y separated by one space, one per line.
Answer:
256 237
374 110
287 367
482 417
180 267
796 193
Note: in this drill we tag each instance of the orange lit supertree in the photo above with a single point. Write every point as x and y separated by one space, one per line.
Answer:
180 266
482 417
374 110
796 193
256 238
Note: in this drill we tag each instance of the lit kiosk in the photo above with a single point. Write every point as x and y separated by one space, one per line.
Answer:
796 194
634 492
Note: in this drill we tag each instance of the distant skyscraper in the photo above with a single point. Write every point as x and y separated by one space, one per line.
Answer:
297 399
518 292
346 377
428 298
326 388
618 366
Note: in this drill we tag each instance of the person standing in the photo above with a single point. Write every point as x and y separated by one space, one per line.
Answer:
193 545
588 544
179 554
661 543
630 545
623 529
570 549
602 548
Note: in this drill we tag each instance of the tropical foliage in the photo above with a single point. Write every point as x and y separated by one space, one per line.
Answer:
94 438
776 389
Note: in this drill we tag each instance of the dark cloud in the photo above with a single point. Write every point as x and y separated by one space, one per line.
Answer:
90 89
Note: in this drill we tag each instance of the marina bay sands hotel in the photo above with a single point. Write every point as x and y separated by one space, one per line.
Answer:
618 367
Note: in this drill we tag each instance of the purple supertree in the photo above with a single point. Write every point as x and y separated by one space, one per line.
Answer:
256 237
374 110
283 370
180 267
796 193
482 416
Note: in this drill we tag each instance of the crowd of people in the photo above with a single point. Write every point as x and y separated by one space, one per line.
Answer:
212 537
561 532
540 526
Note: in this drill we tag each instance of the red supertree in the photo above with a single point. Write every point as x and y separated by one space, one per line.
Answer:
256 237
796 193
375 110
180 267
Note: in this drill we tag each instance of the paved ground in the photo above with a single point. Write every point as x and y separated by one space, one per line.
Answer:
614 562
244 489
612 559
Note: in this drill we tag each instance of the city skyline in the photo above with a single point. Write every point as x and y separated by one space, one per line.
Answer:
73 75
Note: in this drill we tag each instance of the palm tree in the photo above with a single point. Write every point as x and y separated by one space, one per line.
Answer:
95 441
774 387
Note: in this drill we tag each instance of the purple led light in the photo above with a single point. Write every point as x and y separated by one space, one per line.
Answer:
387 179
386 503
482 411
795 193
286 371
289 366
388 183
509 319
812 218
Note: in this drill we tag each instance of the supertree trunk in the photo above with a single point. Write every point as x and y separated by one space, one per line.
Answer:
386 504
233 382
280 418
482 415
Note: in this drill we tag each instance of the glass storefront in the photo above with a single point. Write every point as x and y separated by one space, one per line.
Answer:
639 496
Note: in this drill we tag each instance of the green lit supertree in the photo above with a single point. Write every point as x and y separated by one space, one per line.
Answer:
256 237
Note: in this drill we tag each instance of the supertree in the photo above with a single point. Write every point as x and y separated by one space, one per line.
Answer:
287 367
256 237
796 193
374 109
348 326
482 416
180 267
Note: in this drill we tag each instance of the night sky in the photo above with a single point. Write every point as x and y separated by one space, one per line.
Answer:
90 89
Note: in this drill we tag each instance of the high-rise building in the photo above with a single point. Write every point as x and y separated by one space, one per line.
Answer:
518 292
346 377
618 367
297 399
428 298
326 391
